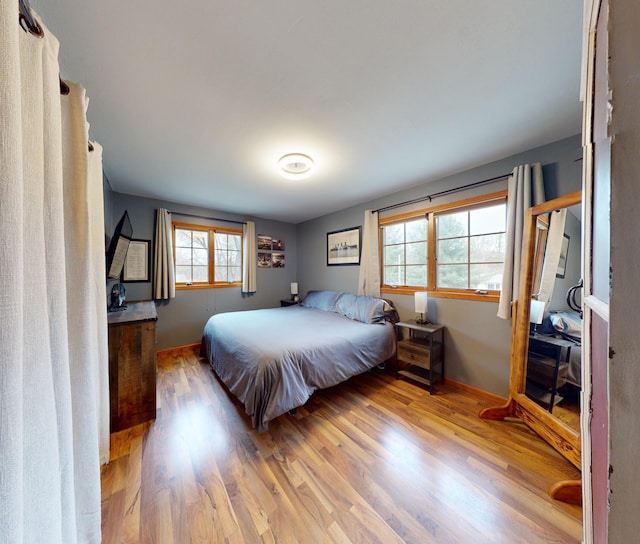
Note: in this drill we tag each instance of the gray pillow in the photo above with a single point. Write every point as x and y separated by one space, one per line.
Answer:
322 300
568 323
361 308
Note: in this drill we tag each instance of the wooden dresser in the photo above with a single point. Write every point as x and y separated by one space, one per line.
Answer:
132 364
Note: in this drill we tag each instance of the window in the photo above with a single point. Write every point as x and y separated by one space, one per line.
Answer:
207 256
405 253
470 248
455 250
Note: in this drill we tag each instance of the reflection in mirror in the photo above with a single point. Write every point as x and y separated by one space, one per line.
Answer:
553 372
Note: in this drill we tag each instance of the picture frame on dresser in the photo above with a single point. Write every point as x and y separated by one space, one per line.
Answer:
343 246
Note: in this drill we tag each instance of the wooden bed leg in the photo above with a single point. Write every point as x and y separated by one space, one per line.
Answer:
498 413
567 491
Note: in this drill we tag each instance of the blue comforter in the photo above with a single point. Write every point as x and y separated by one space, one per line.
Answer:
273 360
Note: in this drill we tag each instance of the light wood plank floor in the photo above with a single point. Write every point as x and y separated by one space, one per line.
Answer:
371 460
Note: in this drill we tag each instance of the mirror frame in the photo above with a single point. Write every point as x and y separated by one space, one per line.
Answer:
558 434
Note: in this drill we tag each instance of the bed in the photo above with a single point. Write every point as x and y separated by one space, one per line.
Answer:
273 359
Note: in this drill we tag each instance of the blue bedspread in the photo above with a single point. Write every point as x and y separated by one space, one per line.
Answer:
273 360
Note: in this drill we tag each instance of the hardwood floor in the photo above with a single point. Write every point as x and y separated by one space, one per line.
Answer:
371 460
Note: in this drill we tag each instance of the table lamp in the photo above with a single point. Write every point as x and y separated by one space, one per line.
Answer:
294 290
536 314
421 306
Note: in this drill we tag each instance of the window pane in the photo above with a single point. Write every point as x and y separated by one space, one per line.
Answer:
453 251
394 234
453 275
200 239
451 225
235 273
417 275
487 248
393 275
235 258
417 253
394 255
201 273
200 257
221 258
234 242
487 220
486 276
183 274
183 238
221 241
416 230
183 256
221 273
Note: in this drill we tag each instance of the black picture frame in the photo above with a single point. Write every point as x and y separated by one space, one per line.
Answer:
137 264
343 247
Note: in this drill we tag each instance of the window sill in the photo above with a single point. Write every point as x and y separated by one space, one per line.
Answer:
491 296
184 287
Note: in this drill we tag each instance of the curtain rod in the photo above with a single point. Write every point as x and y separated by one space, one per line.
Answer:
209 218
26 19
441 193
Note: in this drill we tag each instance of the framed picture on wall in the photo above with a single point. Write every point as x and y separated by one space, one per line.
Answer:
343 246
264 260
564 251
137 264
277 260
264 242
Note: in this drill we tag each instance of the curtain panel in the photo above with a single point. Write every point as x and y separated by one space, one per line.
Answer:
525 189
249 258
52 302
369 277
164 282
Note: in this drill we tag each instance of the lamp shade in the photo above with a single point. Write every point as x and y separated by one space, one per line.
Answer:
537 311
294 287
421 302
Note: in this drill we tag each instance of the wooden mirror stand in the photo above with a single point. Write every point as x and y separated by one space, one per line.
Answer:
558 434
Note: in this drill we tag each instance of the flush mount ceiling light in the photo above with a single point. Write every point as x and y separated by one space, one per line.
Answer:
295 166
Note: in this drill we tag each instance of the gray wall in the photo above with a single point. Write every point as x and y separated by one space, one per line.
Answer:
477 342
181 320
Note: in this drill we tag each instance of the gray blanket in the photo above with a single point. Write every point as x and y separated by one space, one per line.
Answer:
272 360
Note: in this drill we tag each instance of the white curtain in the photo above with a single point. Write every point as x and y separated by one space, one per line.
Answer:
249 258
369 278
51 391
552 254
525 189
164 283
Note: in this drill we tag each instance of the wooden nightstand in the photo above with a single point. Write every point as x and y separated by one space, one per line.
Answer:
422 352
287 302
548 361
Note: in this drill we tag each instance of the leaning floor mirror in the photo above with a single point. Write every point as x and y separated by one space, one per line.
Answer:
545 376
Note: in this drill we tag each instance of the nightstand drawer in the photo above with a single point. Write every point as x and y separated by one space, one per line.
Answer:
418 353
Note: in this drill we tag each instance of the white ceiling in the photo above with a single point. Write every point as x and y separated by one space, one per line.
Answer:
194 102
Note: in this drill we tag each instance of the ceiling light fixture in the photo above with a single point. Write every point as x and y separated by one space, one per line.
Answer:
295 166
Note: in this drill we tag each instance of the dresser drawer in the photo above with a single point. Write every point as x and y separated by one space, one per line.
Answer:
418 353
